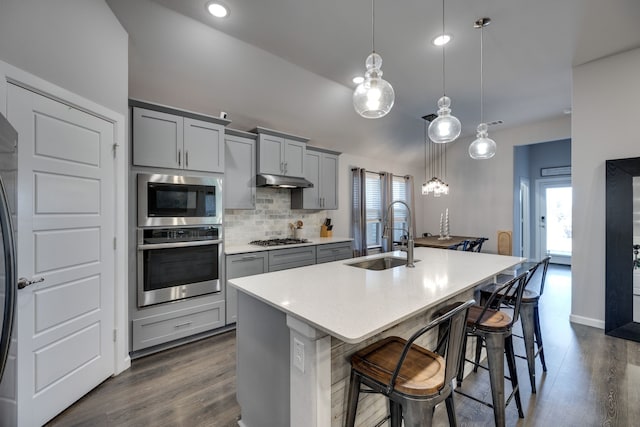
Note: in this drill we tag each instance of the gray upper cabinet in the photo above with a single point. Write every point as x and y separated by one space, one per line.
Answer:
240 170
321 168
167 139
203 146
280 154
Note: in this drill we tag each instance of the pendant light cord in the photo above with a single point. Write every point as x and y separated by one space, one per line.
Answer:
425 152
373 27
443 60
482 73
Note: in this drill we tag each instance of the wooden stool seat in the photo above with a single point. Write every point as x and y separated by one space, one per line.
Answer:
494 320
422 373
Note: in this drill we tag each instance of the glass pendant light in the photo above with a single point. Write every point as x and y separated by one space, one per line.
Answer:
374 97
482 147
445 128
435 185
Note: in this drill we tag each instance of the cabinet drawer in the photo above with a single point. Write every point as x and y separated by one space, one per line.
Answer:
334 252
161 328
242 265
282 259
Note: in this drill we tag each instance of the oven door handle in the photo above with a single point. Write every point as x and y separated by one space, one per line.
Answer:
178 244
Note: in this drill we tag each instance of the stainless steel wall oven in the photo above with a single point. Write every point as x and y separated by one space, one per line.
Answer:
176 263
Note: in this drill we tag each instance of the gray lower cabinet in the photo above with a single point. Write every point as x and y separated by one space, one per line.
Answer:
161 328
242 265
333 252
282 259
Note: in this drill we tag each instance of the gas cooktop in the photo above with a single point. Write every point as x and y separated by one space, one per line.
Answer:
278 242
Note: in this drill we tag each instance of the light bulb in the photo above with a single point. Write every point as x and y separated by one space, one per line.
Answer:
217 9
444 128
374 97
482 147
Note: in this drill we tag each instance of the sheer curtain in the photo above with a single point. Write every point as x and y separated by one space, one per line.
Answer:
359 211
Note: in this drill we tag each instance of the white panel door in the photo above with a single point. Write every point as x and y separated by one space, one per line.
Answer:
65 236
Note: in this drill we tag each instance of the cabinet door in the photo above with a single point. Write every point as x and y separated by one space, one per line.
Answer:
270 150
241 265
311 196
203 146
157 139
294 158
240 173
329 181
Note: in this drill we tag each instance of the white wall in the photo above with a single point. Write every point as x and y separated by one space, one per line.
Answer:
78 45
606 108
481 197
178 61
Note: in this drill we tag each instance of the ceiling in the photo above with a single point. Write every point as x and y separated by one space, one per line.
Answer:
529 48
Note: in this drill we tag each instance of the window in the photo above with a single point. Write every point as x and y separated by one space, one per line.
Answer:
374 210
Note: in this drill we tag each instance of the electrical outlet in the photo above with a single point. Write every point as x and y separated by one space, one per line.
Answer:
298 354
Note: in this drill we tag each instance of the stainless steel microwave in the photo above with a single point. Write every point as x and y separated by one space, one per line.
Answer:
176 200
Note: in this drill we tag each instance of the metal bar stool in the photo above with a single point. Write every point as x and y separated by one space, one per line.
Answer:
530 315
413 378
494 327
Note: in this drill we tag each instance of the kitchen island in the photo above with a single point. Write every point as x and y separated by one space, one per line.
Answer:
297 328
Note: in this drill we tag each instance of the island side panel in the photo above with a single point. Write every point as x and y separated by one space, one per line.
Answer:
263 364
372 408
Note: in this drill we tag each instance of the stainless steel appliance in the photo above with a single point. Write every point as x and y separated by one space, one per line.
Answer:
176 200
8 265
177 263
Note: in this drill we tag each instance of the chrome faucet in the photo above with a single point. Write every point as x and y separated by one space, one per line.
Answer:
408 248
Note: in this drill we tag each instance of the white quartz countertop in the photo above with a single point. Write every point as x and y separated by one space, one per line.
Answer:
353 304
240 249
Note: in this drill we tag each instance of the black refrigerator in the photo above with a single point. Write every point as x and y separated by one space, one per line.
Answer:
8 199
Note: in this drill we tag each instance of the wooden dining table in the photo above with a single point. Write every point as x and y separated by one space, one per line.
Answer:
435 242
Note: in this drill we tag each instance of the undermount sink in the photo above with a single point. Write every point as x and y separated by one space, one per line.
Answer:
381 263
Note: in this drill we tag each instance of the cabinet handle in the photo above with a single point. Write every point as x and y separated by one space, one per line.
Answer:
249 257
281 167
285 167
186 159
179 158
181 325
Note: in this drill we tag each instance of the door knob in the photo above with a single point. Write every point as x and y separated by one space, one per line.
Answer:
23 282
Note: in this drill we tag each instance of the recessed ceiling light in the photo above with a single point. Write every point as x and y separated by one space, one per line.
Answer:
217 9
442 39
358 79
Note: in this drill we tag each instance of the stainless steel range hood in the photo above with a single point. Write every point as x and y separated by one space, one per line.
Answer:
279 181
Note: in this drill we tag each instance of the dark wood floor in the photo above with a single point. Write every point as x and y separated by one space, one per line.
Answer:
592 380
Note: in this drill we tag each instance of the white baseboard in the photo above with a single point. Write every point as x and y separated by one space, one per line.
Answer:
587 321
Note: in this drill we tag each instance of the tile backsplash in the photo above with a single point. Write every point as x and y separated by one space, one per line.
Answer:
270 218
